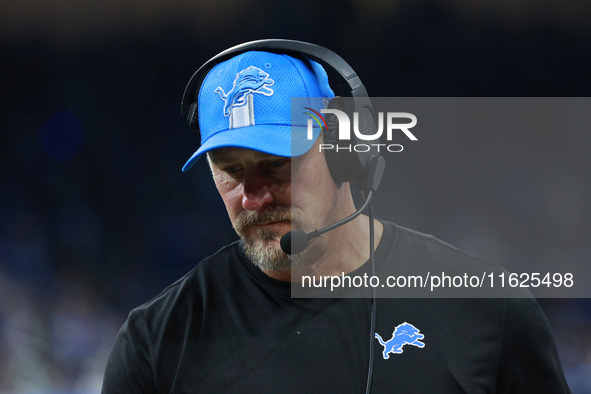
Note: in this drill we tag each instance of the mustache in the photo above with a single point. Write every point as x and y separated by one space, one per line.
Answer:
247 218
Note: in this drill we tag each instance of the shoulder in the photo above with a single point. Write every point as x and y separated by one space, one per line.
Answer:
443 269
405 237
192 287
426 249
151 330
529 358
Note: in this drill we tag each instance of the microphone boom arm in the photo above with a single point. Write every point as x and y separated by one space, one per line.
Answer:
317 233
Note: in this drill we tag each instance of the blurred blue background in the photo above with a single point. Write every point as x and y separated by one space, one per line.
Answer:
96 217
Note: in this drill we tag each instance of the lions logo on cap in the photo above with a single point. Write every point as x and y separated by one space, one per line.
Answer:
238 101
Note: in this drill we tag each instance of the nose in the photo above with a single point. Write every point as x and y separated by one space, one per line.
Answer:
256 194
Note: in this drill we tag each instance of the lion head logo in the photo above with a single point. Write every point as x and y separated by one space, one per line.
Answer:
248 81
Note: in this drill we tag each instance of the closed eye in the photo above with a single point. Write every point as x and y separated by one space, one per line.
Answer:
280 167
232 169
277 163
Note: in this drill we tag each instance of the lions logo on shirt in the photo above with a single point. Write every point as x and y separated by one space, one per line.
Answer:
238 101
404 334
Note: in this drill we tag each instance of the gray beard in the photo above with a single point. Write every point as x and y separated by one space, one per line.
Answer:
263 249
265 252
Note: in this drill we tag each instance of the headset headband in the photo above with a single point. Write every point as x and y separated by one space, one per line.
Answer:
344 80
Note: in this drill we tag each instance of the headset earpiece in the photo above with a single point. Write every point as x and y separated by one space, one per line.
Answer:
193 117
331 139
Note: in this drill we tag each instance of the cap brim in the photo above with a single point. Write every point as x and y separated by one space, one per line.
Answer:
287 141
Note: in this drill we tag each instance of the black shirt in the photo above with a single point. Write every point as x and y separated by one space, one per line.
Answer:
228 327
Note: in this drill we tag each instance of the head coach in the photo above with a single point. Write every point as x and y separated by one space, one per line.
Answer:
231 325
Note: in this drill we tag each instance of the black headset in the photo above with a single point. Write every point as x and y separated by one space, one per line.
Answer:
344 162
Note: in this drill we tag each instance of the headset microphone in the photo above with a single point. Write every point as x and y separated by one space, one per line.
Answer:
296 241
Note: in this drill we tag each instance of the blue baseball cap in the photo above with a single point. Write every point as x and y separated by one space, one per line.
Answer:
246 102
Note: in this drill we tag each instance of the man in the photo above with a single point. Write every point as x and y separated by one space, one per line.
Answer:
231 325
